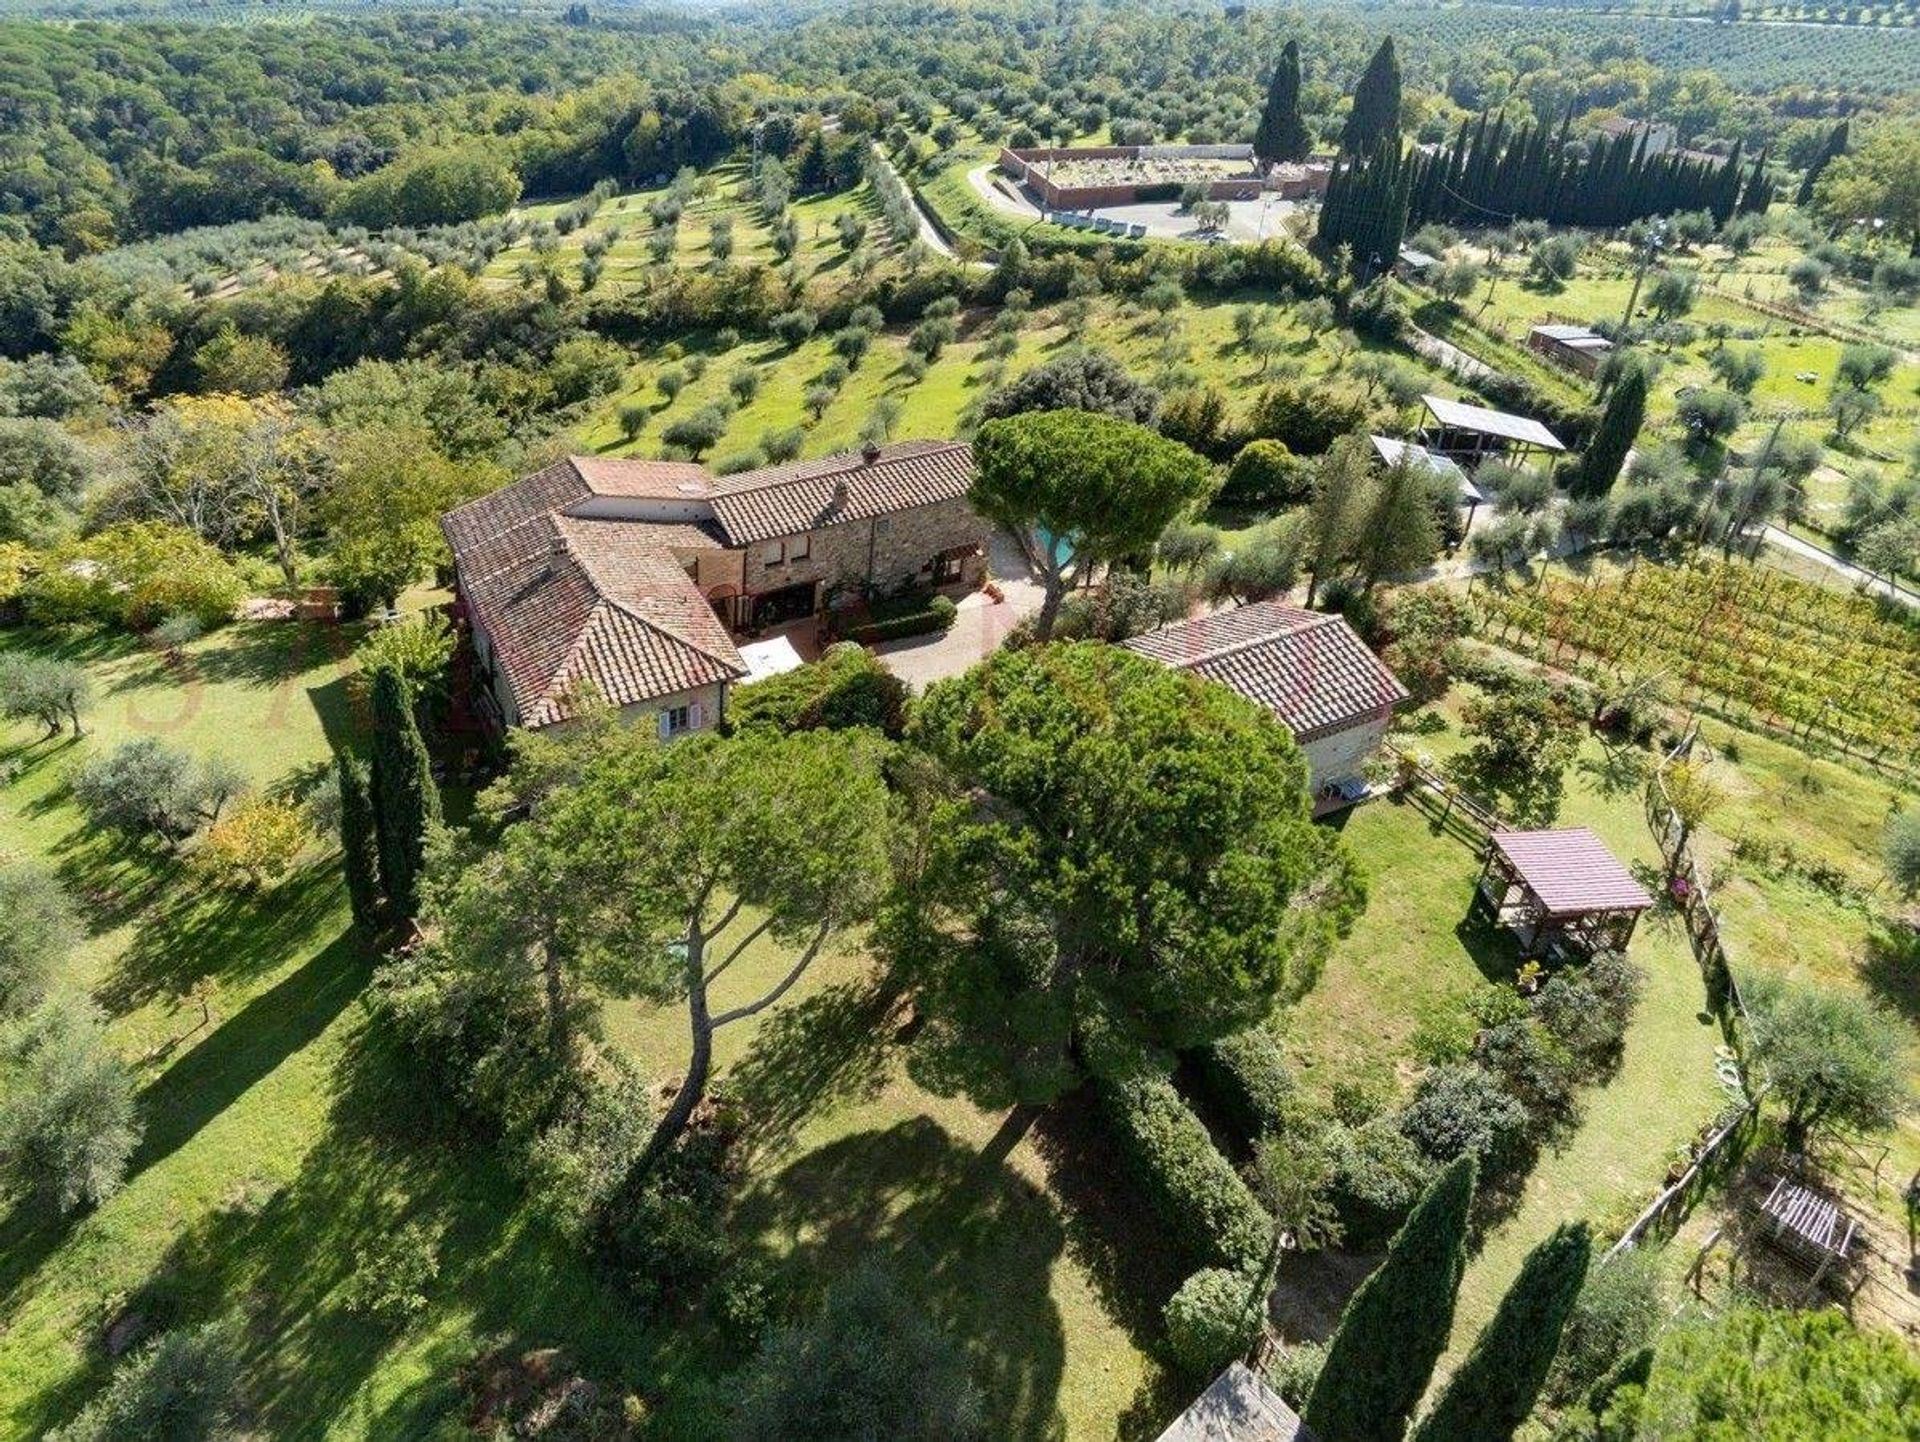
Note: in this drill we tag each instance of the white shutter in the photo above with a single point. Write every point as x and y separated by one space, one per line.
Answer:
693 716
666 726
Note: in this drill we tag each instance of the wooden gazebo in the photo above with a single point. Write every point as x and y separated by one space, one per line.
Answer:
1559 890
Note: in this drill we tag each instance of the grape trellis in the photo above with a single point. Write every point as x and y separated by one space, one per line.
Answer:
1752 643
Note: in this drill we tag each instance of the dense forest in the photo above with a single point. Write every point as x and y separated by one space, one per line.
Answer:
110 133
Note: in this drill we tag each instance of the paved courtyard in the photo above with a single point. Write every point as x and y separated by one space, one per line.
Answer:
979 627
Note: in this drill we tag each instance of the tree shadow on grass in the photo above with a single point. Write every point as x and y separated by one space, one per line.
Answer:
1118 1243
282 1254
202 1084
976 1240
1891 967
834 1048
246 1047
194 932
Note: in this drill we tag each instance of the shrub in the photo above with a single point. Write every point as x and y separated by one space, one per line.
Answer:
182 1386
1211 1216
1533 1066
1266 473
390 1276
1902 852
871 1363
254 845
146 787
1080 381
135 574
1378 1176
419 651
846 687
39 925
1462 1109
1294 1369
1213 1319
1247 1081
1588 1011
908 616
1618 1311
672 1240
67 1117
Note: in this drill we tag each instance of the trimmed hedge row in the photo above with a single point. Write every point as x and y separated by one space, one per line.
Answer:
1246 1081
933 614
1211 1214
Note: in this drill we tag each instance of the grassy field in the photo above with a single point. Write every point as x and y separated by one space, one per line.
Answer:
1413 958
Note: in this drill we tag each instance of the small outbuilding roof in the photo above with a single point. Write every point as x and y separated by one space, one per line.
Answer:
1238 1407
1459 416
1570 872
1307 667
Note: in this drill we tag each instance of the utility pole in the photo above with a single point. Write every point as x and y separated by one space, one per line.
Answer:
1737 520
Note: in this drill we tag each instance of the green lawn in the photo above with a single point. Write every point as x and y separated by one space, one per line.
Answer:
278 1135
1412 959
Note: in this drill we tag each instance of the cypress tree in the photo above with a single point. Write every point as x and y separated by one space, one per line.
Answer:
406 803
1494 1390
1835 147
1395 1327
1597 470
359 844
1282 134
1376 104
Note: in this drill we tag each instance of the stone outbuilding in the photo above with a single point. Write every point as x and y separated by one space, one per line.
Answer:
1310 669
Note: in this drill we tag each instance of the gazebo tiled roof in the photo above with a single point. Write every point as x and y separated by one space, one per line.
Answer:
1570 872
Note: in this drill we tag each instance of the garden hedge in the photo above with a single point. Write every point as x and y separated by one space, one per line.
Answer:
928 614
1246 1081
1210 1214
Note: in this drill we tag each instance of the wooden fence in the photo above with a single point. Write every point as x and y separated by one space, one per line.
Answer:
1690 892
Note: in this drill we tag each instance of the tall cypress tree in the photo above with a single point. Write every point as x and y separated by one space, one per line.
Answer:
1495 1388
1395 1327
359 844
1376 104
1619 427
406 802
1835 147
1282 134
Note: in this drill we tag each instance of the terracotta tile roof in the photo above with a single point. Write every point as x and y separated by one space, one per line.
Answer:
565 600
627 476
804 495
1571 871
1308 668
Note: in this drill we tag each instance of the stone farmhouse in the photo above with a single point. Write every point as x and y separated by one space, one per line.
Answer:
1310 669
629 579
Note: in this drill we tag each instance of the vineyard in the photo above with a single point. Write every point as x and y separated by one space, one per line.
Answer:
1766 649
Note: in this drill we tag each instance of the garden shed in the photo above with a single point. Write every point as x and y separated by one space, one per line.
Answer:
1559 891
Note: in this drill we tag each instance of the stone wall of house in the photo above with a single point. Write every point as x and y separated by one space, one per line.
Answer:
1342 755
893 551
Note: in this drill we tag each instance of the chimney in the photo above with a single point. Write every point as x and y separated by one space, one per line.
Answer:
840 493
870 451
559 544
